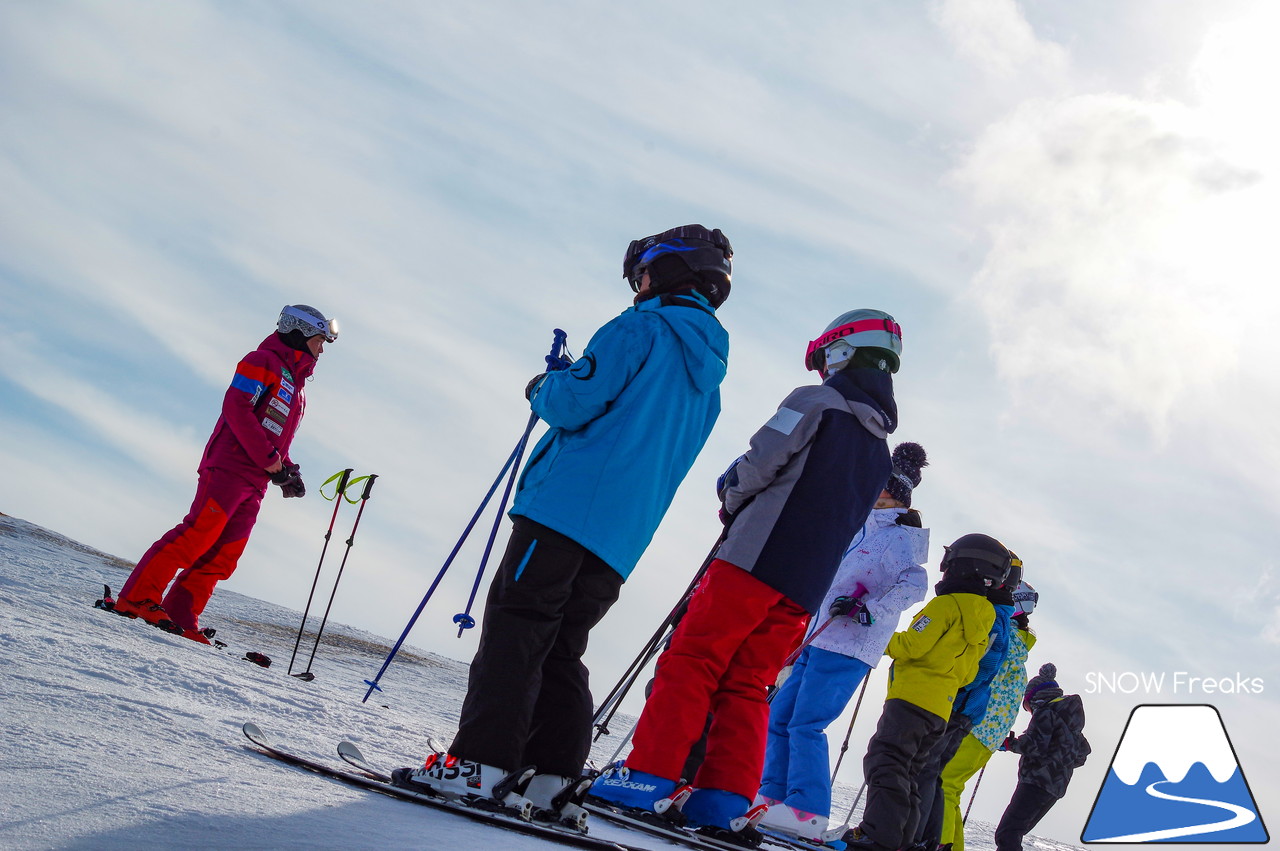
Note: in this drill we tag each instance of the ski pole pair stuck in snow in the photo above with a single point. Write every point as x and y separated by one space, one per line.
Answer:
344 481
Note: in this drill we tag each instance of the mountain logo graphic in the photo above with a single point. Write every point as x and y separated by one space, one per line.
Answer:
1175 778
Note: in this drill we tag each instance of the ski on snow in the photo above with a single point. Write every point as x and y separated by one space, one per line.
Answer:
687 836
369 778
108 604
353 756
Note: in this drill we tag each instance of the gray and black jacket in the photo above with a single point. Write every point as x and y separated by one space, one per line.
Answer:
808 482
1054 744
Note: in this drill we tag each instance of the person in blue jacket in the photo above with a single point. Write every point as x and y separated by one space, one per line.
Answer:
968 710
627 419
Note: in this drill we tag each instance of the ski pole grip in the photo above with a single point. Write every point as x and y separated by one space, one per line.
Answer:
555 360
368 485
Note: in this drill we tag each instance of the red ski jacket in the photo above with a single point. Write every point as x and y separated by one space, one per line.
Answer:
260 412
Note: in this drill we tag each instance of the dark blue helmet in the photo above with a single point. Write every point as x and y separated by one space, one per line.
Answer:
683 258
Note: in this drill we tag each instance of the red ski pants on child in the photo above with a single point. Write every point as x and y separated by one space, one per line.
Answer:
724 654
203 549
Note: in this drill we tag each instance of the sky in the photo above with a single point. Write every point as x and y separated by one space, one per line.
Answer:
1065 206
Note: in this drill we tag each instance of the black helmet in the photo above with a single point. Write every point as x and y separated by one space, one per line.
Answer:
1015 572
978 555
683 258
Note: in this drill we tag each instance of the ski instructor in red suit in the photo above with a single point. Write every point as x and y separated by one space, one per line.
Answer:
248 449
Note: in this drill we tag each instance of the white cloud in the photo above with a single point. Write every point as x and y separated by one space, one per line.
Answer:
1124 276
995 36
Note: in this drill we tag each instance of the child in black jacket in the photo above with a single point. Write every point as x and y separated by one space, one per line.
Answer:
1052 748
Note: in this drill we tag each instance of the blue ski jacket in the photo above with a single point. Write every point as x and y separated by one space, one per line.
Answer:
972 700
627 420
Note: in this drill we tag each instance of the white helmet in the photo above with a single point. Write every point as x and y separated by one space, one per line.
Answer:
308 320
857 329
1024 599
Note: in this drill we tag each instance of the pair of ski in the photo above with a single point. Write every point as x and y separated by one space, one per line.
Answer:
367 776
108 604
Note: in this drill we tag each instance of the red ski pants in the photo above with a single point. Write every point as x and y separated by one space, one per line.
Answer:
722 658
201 550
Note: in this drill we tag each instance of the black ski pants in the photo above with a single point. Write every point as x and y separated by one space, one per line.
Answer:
929 780
528 699
902 741
1028 805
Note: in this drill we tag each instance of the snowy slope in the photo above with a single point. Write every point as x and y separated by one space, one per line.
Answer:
119 736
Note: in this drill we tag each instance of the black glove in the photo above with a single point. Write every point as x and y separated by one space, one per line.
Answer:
1009 742
851 607
533 382
290 481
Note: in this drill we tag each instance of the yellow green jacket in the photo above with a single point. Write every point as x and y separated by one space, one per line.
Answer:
939 652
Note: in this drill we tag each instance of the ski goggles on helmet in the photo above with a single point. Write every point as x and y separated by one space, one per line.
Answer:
881 333
309 324
700 249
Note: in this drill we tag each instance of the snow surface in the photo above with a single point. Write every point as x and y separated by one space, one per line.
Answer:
120 736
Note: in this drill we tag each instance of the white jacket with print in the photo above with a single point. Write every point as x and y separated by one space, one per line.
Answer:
888 560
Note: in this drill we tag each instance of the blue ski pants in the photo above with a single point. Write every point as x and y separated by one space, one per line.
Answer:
796 759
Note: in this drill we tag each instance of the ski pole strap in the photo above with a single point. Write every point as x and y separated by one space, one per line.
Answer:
342 479
349 487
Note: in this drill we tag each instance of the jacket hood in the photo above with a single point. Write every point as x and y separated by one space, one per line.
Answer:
971 608
917 539
301 364
704 344
870 397
1070 709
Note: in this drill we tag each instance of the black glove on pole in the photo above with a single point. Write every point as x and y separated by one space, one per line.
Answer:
364 498
337 502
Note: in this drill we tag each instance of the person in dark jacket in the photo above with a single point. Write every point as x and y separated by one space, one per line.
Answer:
793 502
248 449
627 420
1052 748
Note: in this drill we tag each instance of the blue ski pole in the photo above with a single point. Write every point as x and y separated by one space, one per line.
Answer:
512 464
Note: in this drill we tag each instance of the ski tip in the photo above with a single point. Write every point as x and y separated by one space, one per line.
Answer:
252 733
349 749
